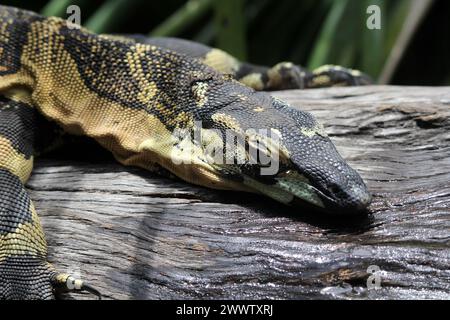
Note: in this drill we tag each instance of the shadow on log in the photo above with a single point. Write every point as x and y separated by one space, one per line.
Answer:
134 235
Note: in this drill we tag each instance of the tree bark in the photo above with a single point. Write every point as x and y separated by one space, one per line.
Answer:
134 235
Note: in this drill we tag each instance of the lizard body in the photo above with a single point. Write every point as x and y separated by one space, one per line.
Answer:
132 96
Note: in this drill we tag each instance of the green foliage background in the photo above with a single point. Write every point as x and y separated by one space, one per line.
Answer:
307 32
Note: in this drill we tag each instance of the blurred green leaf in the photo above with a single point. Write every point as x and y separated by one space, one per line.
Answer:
57 8
323 44
394 23
230 27
372 41
182 18
416 13
110 14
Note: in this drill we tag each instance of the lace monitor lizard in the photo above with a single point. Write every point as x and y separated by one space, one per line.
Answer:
130 94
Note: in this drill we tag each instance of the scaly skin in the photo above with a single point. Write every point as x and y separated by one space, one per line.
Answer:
133 99
282 76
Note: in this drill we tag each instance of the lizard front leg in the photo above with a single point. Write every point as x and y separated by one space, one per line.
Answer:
282 76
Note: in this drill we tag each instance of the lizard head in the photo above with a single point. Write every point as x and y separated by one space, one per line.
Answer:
222 134
254 142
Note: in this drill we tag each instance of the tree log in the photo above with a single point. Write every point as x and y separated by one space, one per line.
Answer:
134 235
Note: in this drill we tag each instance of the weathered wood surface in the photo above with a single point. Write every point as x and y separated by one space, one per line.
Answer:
135 235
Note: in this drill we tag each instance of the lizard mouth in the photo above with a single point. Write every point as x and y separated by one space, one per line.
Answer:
295 190
330 205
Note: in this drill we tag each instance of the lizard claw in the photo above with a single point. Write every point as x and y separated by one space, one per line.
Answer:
67 283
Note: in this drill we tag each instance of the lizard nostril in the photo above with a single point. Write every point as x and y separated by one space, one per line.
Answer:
335 189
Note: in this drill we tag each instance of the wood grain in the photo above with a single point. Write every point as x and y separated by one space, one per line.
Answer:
134 235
